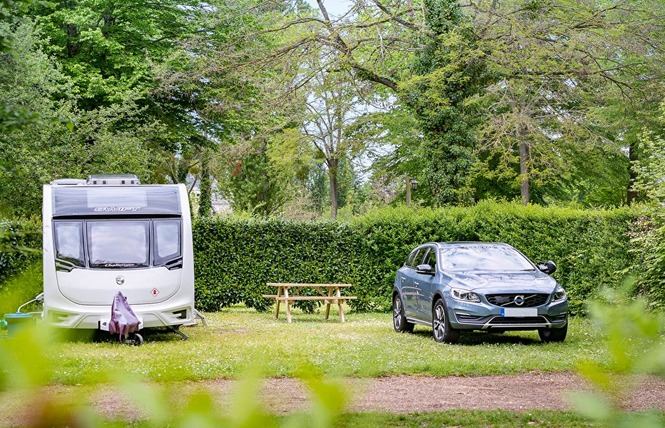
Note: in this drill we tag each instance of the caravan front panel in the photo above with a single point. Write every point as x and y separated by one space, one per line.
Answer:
99 240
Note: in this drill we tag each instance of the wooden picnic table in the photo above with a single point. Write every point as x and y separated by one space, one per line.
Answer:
290 292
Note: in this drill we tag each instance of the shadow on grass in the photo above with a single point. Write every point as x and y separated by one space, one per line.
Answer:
99 336
471 338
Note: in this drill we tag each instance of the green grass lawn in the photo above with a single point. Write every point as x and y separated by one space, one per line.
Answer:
466 418
453 418
240 339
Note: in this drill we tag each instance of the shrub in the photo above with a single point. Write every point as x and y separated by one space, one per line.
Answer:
21 288
20 246
649 255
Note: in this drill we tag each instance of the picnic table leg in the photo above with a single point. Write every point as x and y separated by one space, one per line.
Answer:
288 304
328 305
279 289
339 305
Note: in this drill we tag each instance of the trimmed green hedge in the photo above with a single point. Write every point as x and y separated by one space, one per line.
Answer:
20 246
235 258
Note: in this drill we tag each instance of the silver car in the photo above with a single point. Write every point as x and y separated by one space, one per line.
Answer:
461 286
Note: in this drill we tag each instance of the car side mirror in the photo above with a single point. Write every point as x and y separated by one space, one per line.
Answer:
425 269
548 267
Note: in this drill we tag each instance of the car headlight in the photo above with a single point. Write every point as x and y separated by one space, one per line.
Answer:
559 294
465 296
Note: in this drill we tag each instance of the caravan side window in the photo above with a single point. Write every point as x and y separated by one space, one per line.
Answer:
69 243
167 241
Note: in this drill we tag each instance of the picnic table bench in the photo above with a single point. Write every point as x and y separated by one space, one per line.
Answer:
290 292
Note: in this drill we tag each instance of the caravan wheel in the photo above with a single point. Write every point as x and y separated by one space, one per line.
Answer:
138 339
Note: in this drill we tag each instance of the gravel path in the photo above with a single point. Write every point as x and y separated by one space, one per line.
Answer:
406 394
395 394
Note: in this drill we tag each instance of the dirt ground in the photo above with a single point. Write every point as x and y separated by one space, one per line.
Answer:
396 394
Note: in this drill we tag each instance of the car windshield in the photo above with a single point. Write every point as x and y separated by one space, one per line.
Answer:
484 258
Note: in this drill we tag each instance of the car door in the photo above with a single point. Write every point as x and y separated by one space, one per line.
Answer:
427 285
403 281
410 284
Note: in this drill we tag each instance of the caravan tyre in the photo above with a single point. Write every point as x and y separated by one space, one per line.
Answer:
138 340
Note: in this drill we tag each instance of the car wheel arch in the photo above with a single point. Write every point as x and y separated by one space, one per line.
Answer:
396 292
436 296
401 323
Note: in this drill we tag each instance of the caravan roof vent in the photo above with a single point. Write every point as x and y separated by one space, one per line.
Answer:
113 179
68 182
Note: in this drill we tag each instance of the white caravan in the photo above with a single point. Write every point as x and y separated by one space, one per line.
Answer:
110 234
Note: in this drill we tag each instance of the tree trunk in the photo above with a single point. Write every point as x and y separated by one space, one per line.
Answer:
182 169
631 194
332 176
264 192
524 172
205 187
408 191
73 47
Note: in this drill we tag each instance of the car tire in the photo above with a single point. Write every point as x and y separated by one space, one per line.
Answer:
442 330
553 334
400 324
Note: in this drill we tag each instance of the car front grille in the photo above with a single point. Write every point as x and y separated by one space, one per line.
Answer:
508 300
518 320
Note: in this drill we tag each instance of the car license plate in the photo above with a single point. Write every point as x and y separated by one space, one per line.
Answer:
519 312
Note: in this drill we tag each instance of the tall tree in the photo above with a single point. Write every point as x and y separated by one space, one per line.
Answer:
107 47
332 105
115 51
12 116
651 165
449 72
60 140
563 68
251 170
28 82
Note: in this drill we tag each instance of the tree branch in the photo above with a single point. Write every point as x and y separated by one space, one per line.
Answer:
396 18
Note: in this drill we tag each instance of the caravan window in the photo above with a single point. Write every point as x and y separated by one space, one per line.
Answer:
119 244
69 243
167 241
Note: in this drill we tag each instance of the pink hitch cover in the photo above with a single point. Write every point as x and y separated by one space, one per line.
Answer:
123 319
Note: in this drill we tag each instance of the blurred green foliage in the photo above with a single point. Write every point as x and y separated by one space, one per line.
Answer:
635 342
27 362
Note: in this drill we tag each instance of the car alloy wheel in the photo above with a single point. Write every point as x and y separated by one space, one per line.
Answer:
399 319
443 332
